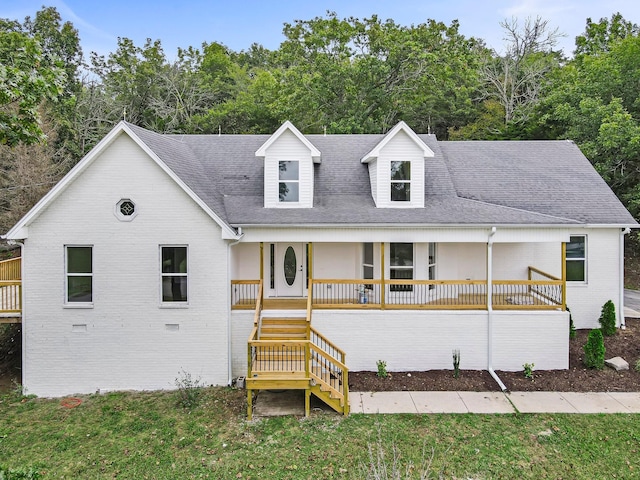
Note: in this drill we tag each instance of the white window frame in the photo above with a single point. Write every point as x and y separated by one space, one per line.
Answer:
578 259
162 275
404 181
291 181
67 275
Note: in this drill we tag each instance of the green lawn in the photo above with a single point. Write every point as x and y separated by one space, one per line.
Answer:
146 435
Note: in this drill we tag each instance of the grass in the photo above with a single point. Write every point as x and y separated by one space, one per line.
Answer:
148 435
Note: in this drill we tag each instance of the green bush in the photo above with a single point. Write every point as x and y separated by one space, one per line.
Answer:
572 327
382 369
189 390
18 473
594 350
608 319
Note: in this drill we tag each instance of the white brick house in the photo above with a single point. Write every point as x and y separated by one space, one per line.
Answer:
149 257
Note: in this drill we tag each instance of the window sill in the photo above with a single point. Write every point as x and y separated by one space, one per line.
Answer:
174 305
77 305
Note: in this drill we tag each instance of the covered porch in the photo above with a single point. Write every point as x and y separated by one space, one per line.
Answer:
400 280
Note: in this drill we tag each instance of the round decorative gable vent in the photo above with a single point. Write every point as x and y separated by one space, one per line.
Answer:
126 210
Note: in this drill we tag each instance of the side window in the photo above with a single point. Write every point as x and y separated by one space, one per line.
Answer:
174 274
432 264
400 181
367 263
79 274
577 259
401 265
289 181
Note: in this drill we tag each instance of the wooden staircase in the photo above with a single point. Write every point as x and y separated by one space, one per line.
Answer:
285 352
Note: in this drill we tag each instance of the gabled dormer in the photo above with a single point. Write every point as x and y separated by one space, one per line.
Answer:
288 168
396 169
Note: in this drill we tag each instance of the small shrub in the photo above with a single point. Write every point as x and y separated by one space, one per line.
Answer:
382 369
18 473
572 327
189 390
456 363
528 370
594 350
608 319
637 365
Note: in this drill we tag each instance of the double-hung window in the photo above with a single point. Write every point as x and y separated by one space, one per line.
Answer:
577 258
174 274
289 181
400 181
79 274
401 265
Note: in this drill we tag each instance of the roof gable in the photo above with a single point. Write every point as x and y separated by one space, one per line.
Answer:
20 229
288 126
400 127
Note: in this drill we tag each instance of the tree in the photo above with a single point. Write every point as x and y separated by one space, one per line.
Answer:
25 81
599 37
516 78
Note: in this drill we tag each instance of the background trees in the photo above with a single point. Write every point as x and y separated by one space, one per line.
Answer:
340 75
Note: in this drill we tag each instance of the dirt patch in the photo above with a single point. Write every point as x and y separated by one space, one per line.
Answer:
625 344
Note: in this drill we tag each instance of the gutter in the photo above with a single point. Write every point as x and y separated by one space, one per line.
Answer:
490 311
229 359
621 318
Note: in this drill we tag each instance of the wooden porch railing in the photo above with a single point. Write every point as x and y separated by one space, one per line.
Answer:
11 269
244 293
10 290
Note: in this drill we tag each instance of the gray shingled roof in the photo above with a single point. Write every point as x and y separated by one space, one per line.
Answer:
466 183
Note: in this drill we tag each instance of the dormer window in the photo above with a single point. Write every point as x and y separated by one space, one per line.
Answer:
400 181
289 181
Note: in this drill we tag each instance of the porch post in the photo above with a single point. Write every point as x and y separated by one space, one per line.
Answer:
382 284
261 261
310 262
564 276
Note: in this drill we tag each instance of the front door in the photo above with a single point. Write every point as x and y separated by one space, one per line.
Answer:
290 269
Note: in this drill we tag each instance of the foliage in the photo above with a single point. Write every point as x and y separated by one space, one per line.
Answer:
572 327
636 367
189 390
528 370
456 363
608 319
382 369
387 463
516 78
18 473
25 81
594 350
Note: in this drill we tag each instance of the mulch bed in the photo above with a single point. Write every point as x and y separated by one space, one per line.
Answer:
625 344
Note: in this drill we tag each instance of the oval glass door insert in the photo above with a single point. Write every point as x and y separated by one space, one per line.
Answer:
290 265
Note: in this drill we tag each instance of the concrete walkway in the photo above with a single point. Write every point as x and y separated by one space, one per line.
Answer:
291 402
494 402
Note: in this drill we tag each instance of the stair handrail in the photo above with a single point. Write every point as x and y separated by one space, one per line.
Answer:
336 366
257 317
328 342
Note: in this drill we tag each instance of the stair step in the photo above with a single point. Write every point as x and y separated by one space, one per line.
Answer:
268 335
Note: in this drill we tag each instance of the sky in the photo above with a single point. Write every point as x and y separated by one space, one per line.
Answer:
237 24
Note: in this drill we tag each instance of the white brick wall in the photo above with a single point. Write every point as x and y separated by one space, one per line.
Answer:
424 340
126 341
603 277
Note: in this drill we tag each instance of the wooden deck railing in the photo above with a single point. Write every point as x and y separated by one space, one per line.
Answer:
244 293
11 269
10 290
541 291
